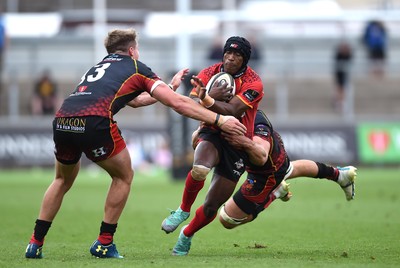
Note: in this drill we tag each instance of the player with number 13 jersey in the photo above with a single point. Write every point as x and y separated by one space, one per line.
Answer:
108 86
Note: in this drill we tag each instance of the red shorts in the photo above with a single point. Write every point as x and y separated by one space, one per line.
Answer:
98 137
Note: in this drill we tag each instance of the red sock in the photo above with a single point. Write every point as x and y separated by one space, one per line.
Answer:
37 242
199 221
192 188
105 238
335 174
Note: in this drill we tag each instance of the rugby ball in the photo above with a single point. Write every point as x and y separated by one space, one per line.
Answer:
219 79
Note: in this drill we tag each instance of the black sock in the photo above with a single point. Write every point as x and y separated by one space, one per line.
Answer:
41 229
108 228
107 233
327 172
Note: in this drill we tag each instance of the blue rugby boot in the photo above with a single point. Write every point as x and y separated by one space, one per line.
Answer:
33 251
183 244
172 222
101 251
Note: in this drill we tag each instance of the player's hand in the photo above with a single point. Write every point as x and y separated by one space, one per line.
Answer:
221 93
236 141
200 88
178 78
231 125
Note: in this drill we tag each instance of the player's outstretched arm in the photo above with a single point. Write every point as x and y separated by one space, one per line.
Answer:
187 107
257 149
145 98
178 78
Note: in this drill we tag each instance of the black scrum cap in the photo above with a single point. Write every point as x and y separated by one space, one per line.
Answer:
241 45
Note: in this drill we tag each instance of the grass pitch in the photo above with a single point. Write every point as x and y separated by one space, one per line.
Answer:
316 228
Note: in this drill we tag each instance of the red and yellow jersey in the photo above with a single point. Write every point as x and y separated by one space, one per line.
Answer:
249 89
108 86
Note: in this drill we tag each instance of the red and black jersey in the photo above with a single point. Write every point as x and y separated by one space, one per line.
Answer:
108 86
249 88
277 155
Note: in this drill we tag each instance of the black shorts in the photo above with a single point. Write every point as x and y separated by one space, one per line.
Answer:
254 192
232 162
98 137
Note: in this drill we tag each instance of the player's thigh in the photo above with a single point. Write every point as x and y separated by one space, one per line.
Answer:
118 166
206 154
233 210
68 172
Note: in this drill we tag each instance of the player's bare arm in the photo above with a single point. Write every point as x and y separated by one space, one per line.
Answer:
186 106
145 98
234 107
257 149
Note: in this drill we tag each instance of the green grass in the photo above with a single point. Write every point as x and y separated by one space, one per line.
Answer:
316 228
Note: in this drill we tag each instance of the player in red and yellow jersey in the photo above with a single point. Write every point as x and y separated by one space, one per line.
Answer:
212 150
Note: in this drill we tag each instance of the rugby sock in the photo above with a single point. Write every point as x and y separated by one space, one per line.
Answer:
40 231
199 221
192 188
107 231
327 172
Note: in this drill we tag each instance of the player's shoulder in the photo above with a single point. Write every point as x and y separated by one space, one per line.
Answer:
262 119
209 71
146 71
251 76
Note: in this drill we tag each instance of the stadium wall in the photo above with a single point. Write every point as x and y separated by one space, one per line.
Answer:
363 143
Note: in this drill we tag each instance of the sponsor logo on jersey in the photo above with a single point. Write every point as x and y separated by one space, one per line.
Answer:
80 93
261 130
251 95
82 88
248 186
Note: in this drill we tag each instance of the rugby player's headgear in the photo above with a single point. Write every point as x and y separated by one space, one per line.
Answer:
241 45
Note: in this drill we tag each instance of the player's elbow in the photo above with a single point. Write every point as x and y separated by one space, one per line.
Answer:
180 106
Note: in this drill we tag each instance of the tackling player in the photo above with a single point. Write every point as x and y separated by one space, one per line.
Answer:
267 174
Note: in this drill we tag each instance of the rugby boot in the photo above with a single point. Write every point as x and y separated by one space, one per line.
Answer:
183 244
104 251
172 222
346 179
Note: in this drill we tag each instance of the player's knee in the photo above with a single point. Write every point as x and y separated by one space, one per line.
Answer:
210 210
200 172
227 221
